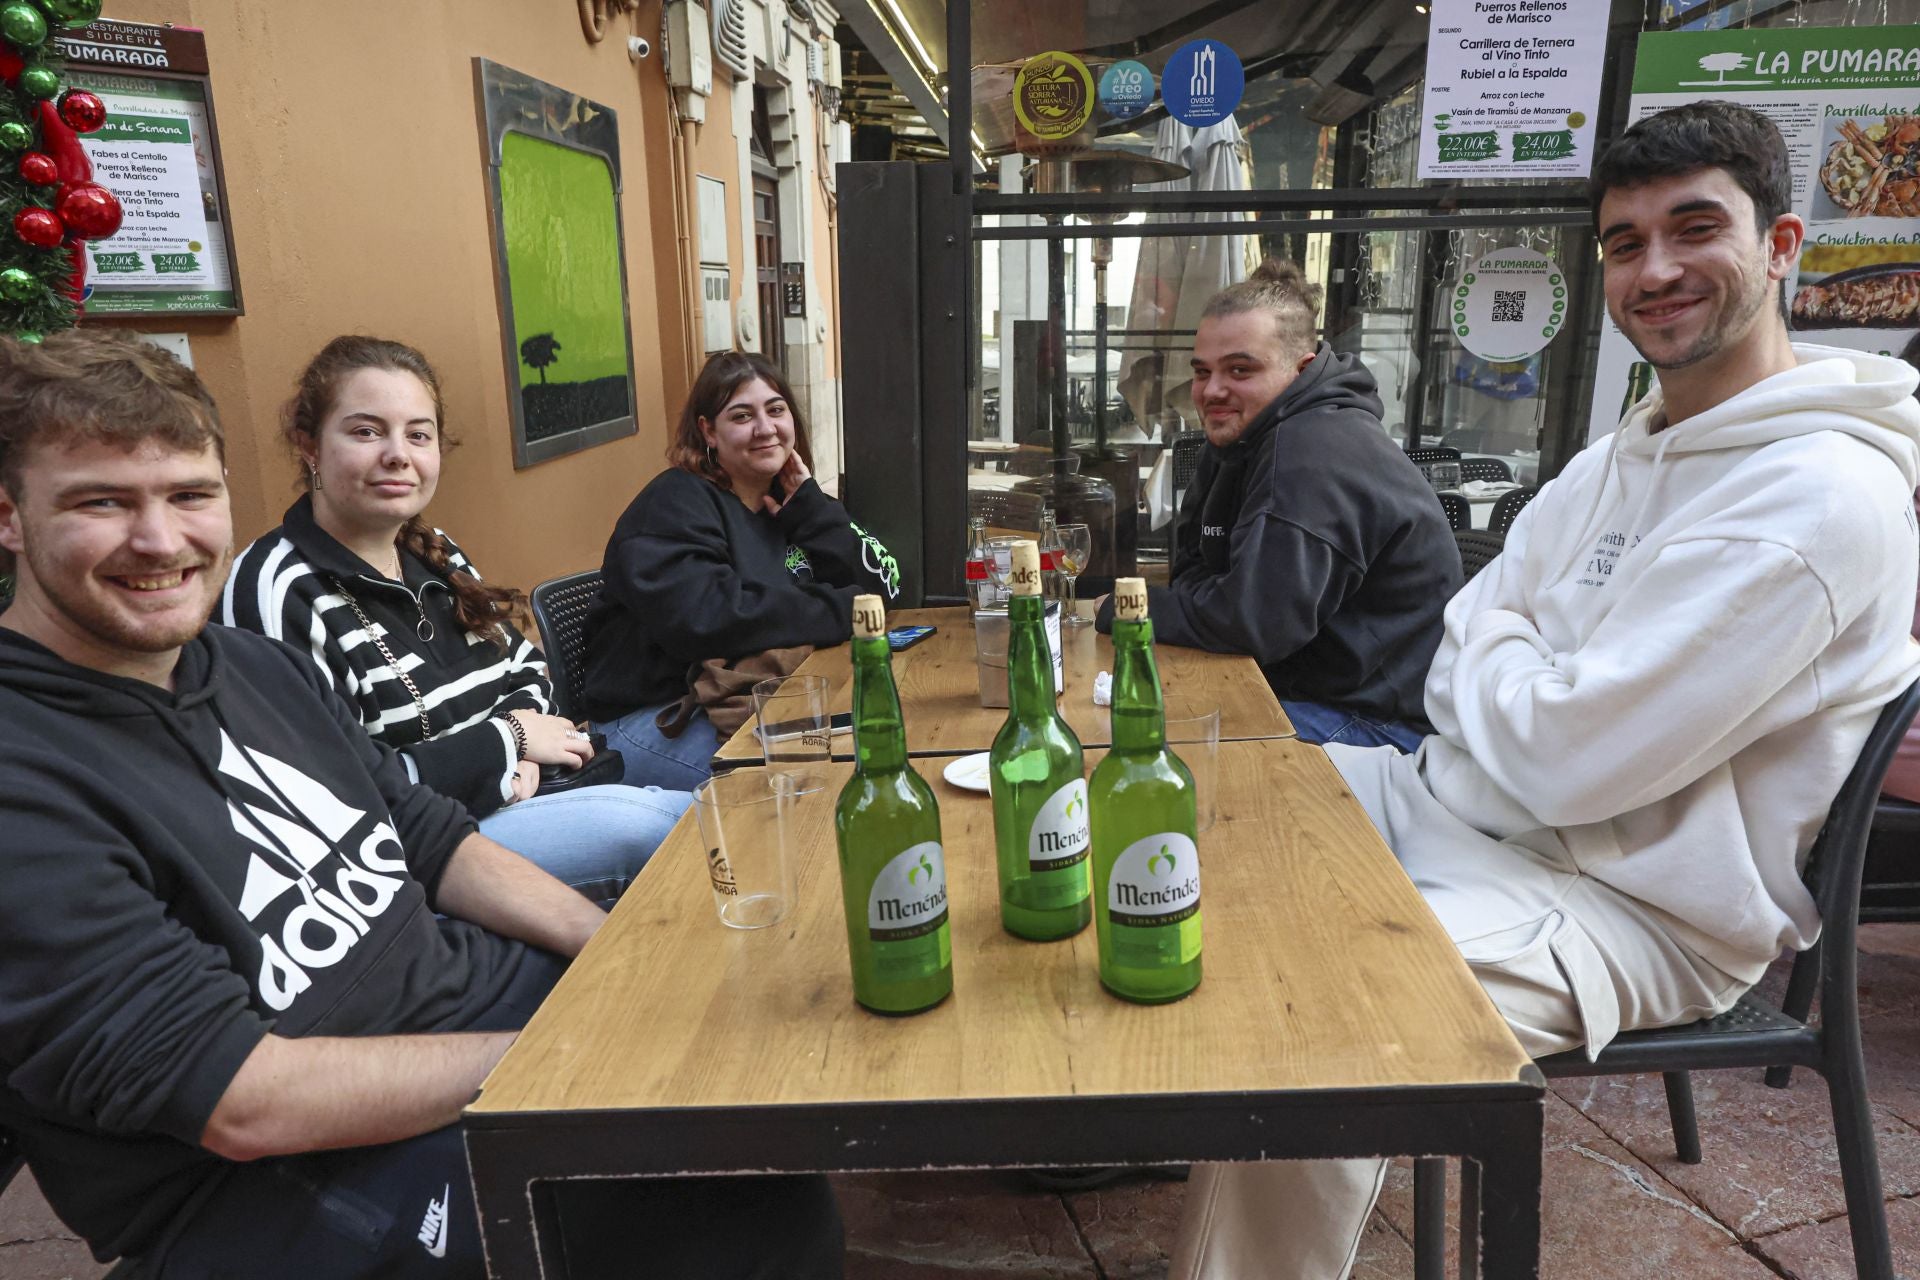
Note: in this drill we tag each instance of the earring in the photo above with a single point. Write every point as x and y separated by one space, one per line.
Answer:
711 460
313 475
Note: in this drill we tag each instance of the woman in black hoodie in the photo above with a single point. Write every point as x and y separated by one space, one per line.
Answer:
732 550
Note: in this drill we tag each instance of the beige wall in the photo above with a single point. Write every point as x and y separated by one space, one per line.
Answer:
360 204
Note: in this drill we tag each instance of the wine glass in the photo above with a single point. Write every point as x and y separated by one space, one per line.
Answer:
1076 548
1000 568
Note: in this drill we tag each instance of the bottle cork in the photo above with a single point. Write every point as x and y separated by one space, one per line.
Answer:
869 617
1025 573
1130 599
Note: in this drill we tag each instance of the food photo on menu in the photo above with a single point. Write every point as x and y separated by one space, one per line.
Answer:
1859 277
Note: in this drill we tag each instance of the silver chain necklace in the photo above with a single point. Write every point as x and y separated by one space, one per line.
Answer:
379 641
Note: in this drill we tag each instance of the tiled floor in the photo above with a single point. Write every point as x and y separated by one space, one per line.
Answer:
1765 1203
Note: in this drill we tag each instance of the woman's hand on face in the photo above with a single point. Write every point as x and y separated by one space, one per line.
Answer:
791 477
526 781
553 740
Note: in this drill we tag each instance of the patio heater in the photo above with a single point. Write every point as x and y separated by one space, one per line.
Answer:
1105 495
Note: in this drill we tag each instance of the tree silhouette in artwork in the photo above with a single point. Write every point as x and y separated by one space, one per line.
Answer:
1723 63
539 351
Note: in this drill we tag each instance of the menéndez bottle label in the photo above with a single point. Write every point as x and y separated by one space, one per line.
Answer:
1059 837
909 896
1155 882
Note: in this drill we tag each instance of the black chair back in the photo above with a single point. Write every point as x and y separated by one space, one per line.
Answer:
1839 854
1459 511
560 606
1433 453
1486 469
1478 548
1186 459
1507 509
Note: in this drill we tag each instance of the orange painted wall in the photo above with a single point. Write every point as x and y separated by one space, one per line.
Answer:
359 203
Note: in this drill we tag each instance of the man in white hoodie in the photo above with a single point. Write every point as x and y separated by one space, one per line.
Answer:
1645 706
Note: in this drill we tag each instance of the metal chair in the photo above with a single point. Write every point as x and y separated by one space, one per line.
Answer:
1432 453
1459 511
1751 1034
560 606
1486 469
1507 509
1478 548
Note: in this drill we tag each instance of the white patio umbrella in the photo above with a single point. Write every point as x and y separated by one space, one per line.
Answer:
1177 275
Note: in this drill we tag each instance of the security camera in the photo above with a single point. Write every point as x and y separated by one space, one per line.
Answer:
638 48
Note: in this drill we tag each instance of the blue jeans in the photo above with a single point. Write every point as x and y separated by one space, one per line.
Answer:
1318 723
655 760
595 839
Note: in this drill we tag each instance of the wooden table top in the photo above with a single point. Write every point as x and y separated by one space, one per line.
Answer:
940 690
1324 970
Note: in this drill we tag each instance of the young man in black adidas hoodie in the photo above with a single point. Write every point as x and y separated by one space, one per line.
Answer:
234 1036
1308 541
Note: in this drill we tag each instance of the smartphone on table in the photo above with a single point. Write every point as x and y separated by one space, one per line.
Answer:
906 637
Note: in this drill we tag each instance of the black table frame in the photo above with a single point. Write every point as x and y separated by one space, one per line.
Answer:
1495 1128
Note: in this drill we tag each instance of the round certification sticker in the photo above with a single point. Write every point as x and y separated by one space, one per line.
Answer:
1508 304
1053 95
1202 83
1126 89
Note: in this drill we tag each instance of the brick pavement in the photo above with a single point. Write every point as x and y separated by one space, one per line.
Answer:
1765 1202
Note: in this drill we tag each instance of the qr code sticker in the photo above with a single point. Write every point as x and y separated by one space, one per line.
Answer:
1509 306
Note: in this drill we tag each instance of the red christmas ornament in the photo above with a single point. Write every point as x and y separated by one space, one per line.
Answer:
83 111
39 168
39 228
90 211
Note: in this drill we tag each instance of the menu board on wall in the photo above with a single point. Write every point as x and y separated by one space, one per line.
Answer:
1512 88
159 152
1847 101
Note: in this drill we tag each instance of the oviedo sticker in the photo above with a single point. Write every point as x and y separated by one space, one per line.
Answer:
909 896
1202 83
1053 95
1155 881
1509 304
1126 89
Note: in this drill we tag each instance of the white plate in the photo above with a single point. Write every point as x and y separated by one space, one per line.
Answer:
968 772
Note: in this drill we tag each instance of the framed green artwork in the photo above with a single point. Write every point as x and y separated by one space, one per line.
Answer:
553 167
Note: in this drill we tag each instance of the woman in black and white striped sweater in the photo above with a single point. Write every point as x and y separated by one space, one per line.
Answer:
404 629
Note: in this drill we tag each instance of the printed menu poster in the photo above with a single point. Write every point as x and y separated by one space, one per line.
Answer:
154 153
1512 88
1847 101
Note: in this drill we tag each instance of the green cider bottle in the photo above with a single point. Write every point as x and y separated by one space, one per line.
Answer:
1038 779
1146 865
893 875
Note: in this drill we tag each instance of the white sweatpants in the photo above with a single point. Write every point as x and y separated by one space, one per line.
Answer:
1566 960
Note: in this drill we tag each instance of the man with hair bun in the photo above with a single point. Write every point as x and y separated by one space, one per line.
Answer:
1308 541
1644 707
